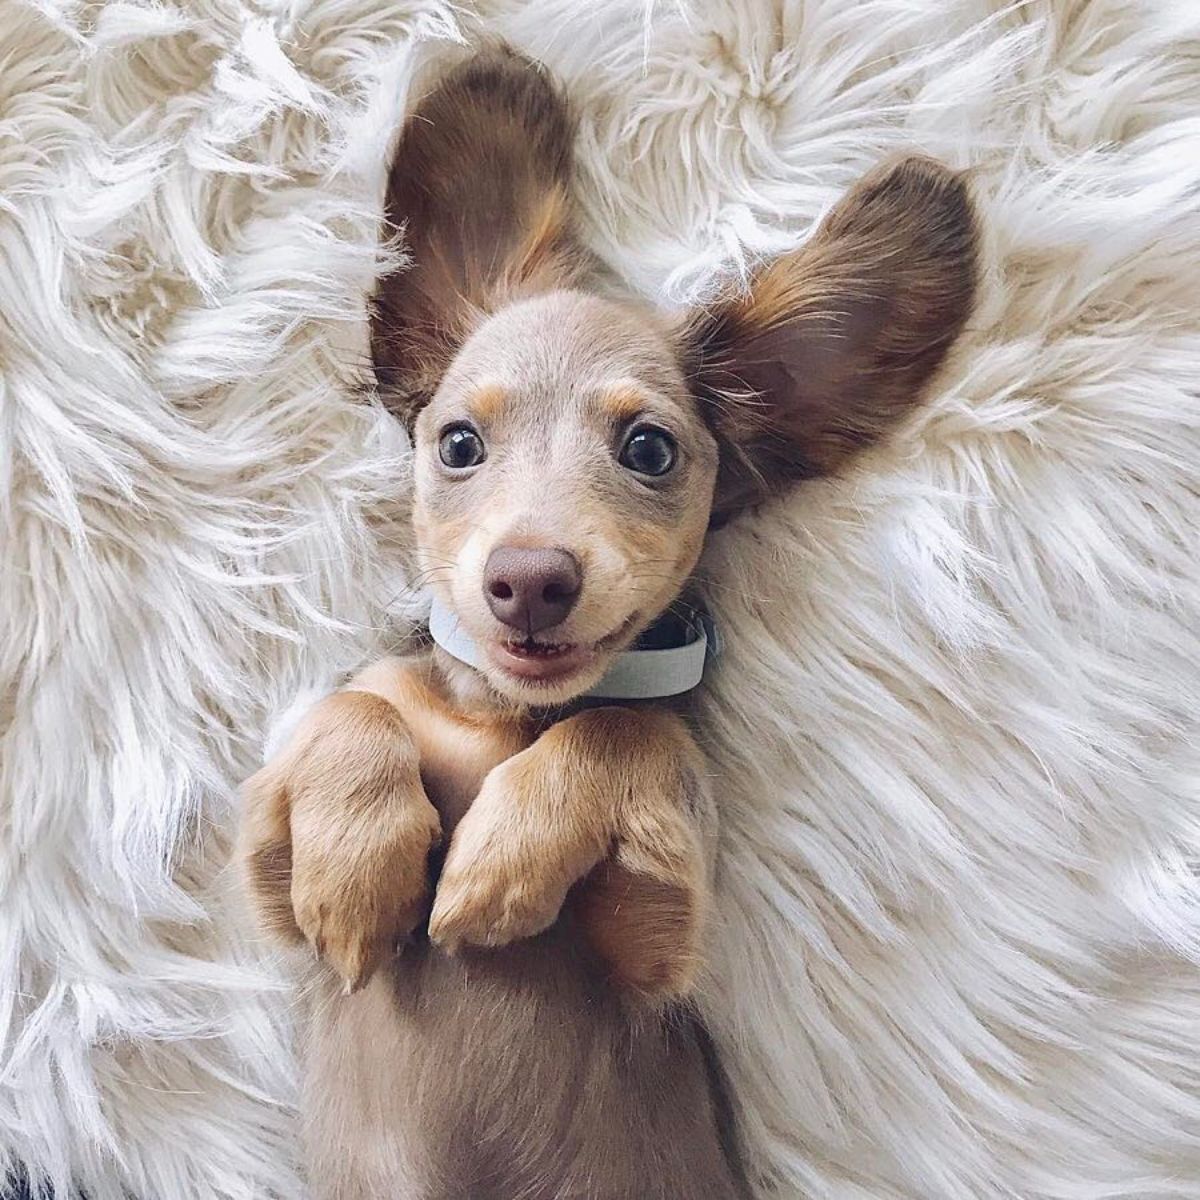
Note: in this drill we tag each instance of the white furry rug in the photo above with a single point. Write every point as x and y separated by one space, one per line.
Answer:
955 726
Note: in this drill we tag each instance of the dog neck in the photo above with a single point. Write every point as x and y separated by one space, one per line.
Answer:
469 690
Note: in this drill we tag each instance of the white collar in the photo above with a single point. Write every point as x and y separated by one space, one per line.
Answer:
634 675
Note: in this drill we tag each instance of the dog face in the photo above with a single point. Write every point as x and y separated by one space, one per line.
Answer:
572 449
564 482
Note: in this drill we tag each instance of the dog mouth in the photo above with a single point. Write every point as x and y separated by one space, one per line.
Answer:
540 651
545 662
542 662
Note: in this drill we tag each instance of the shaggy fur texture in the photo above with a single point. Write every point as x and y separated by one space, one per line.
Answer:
953 733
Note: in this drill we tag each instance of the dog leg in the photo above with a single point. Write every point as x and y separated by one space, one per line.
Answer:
337 829
611 786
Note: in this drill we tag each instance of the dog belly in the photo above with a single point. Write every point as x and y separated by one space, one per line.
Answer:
502 1074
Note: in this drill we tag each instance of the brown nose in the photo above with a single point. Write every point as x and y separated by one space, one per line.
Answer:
531 589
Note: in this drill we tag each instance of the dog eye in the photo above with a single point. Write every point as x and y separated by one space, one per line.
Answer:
648 451
461 447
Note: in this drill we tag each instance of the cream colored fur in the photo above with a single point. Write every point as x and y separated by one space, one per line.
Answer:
953 734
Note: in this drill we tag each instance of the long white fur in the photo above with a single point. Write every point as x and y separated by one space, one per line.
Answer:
954 728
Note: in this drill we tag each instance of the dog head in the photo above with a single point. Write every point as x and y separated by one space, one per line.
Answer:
572 447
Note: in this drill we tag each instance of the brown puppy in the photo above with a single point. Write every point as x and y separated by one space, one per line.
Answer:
572 449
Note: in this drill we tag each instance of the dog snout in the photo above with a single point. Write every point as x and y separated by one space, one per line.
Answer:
531 589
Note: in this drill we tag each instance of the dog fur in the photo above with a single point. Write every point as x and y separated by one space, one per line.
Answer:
580 835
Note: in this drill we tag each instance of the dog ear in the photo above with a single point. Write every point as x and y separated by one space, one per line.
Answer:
481 184
835 342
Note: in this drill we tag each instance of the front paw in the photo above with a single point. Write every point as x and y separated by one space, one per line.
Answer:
359 832
512 859
359 888
492 904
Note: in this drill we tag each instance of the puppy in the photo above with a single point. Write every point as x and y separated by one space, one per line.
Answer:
532 1038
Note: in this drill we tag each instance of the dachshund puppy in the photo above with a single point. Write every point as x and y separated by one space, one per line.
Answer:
532 1039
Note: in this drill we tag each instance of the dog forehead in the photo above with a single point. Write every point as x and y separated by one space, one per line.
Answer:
570 343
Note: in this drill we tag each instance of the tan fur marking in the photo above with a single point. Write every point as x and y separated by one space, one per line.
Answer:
456 748
607 779
642 927
487 403
338 830
548 258
623 403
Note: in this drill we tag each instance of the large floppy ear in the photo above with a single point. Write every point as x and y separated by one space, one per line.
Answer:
834 343
481 185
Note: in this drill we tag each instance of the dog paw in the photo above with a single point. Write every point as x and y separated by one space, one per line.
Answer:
358 895
492 906
512 859
339 831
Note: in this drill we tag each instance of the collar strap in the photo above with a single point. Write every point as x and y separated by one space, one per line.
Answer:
634 675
